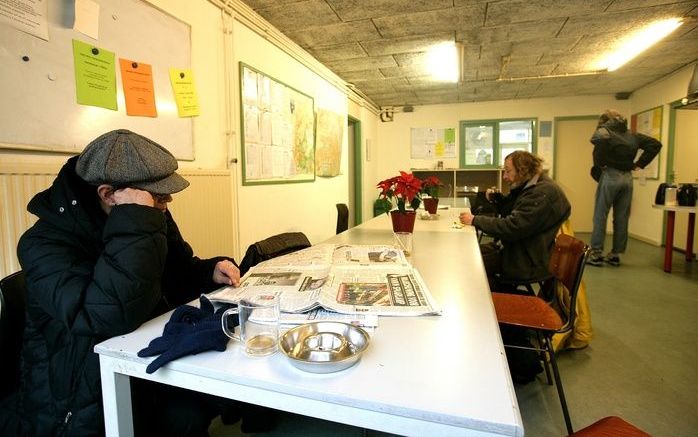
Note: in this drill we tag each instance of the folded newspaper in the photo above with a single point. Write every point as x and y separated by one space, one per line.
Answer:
348 279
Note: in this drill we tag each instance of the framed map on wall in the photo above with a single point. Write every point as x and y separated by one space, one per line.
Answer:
278 130
649 123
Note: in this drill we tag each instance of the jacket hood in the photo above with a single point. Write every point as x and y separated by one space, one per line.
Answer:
70 203
618 125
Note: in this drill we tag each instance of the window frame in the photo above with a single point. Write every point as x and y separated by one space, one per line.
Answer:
496 145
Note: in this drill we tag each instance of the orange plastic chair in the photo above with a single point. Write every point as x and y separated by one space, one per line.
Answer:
566 266
611 426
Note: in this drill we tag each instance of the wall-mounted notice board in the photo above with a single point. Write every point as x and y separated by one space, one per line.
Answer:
432 143
39 109
648 122
278 130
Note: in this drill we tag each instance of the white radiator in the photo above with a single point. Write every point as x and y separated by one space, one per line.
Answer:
203 211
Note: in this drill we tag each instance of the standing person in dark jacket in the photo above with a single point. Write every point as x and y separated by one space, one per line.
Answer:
614 158
104 257
527 221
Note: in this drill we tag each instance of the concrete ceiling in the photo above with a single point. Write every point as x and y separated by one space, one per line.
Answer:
379 45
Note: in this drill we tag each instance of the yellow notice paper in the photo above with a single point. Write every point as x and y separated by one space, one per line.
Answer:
139 93
185 94
95 77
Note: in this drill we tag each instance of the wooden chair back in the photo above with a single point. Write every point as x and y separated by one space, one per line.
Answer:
566 264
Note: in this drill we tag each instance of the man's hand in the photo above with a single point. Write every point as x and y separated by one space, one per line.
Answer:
491 193
226 272
466 218
133 195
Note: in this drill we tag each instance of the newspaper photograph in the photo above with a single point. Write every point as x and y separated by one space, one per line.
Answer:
348 279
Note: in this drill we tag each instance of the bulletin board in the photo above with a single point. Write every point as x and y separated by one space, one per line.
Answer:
432 143
649 123
39 110
278 130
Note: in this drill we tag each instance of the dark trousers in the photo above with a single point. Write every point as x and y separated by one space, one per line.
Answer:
164 410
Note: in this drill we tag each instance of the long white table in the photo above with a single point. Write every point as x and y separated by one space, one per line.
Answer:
437 375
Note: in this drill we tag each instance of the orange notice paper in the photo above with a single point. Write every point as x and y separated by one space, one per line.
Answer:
139 92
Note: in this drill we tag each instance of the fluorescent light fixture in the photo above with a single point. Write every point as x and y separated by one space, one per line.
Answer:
442 62
638 42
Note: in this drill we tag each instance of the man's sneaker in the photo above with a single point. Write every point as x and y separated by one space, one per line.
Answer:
612 259
595 259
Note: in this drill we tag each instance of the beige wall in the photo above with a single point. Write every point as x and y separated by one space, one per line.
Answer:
685 168
260 211
393 151
394 137
646 222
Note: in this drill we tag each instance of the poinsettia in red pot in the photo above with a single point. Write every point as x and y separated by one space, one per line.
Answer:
430 188
398 192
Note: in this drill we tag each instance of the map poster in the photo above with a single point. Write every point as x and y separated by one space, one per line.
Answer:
278 130
328 151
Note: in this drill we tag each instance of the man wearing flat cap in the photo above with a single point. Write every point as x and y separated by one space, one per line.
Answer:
104 257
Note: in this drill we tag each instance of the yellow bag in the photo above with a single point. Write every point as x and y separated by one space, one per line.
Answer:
581 334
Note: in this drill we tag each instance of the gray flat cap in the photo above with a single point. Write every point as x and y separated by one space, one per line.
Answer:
126 159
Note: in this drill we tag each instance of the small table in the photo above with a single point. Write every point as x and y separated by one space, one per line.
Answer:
669 243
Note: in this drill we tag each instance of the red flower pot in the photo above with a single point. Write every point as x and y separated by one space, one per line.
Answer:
403 222
431 204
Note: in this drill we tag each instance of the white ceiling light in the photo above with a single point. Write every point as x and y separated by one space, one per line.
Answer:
442 62
638 42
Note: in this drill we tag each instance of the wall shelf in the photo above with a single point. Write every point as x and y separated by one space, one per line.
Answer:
461 182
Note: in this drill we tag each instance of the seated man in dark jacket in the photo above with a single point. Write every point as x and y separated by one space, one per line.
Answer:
104 257
526 225
527 221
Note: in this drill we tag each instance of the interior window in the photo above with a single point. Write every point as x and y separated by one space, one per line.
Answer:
486 143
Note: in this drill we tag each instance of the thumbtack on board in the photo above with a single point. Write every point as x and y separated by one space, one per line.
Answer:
181 75
25 58
134 64
95 51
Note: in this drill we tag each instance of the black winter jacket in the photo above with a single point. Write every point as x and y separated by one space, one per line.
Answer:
616 147
90 276
529 221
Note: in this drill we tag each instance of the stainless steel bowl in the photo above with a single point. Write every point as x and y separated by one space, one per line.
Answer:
324 347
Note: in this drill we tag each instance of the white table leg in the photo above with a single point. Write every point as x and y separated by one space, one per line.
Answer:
116 399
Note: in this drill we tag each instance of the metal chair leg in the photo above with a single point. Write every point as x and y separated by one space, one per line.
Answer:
558 383
544 357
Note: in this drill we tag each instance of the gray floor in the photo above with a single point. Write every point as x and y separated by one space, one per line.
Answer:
641 365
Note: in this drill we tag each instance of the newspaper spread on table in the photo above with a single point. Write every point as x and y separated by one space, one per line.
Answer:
348 279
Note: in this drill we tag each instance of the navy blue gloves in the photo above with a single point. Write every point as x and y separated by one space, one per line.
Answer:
190 330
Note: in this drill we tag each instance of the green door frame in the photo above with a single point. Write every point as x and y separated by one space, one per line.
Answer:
358 170
671 140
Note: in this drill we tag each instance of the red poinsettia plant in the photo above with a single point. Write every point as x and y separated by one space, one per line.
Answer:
399 191
431 185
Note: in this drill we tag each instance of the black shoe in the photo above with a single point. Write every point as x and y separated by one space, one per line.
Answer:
612 259
595 259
